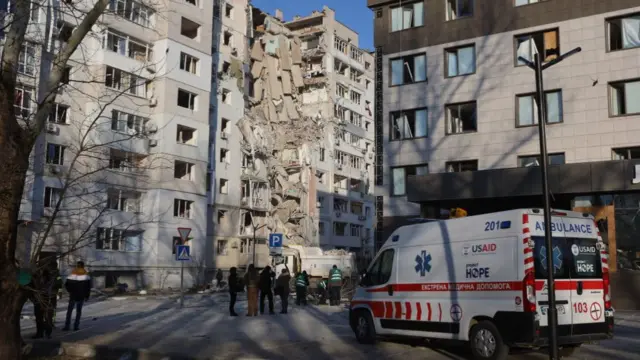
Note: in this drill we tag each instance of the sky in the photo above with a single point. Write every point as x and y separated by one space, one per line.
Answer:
352 13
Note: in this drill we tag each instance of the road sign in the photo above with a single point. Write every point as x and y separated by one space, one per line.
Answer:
182 253
275 240
184 234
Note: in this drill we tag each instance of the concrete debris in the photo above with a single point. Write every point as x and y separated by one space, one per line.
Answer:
336 252
281 130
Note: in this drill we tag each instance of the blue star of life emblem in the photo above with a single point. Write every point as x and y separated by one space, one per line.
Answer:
422 263
557 257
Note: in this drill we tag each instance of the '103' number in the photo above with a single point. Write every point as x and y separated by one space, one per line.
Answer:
580 307
492 225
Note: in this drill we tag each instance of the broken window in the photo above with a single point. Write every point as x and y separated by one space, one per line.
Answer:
182 208
461 61
247 161
224 186
321 228
188 63
355 185
547 43
23 103
55 154
623 98
461 166
356 207
355 97
127 123
123 161
123 200
132 10
534 160
355 140
461 118
227 39
340 157
527 106
27 59
222 214
228 11
189 28
340 44
340 112
408 124
399 177
58 114
626 153
356 54
221 248
322 154
185 135
340 205
339 67
119 80
409 69
224 125
339 228
51 196
407 16
226 96
322 177
342 91
187 99
183 170
225 67
457 9
623 32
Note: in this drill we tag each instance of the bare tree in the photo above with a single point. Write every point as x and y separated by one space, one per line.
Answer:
94 174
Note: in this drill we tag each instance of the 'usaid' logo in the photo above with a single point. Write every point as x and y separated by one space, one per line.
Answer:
479 249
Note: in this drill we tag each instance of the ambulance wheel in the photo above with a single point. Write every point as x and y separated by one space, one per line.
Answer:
364 329
486 342
568 351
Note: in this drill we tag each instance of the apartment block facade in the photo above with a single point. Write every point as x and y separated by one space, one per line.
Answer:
458 112
123 161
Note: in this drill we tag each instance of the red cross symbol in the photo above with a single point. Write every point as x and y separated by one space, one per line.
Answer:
595 311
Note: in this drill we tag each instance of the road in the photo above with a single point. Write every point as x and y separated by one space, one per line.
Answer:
202 329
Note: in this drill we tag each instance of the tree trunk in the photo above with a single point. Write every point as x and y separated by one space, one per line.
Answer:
11 304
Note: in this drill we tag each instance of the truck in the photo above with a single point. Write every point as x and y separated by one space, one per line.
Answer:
315 262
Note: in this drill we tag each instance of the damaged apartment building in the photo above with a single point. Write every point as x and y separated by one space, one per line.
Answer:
294 135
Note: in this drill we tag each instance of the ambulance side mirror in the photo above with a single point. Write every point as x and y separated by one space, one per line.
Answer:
365 280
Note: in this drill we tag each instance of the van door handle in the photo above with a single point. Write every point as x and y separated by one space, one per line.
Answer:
390 290
579 288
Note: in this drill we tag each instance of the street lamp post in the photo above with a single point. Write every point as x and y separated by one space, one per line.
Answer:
552 312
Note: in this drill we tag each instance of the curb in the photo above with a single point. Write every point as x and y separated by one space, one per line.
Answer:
89 351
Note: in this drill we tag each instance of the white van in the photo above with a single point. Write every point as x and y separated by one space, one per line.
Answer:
482 279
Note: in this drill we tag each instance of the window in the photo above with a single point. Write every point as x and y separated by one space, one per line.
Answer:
341 90
224 156
626 153
460 61
399 177
247 161
457 9
534 160
462 118
119 240
127 46
224 126
356 207
221 248
35 12
183 170
227 39
322 177
27 59
527 106
355 161
355 139
52 197
321 228
176 240
185 135
221 216
339 228
623 32
187 99
527 2
182 208
547 43
127 123
226 96
461 166
623 98
224 186
228 11
189 29
409 124
58 114
132 10
379 272
226 66
355 118
23 101
356 54
188 63
355 97
340 157
340 44
123 81
407 16
355 229
322 154
122 161
192 2
409 69
55 154
123 201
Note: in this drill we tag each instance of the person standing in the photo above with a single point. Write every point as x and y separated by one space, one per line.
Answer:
251 281
78 286
233 290
265 289
282 289
301 288
219 277
335 285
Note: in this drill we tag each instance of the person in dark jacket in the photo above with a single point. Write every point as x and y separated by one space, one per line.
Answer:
282 289
219 277
78 286
264 284
302 281
233 290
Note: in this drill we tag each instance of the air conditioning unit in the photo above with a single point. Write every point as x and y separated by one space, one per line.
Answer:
153 142
55 169
151 128
151 68
153 102
362 217
223 135
52 128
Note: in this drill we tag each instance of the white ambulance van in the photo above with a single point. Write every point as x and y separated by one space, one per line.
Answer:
482 279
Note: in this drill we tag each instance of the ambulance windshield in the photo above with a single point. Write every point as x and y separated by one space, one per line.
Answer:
572 258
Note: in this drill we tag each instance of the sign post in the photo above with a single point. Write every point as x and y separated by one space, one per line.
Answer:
275 244
182 255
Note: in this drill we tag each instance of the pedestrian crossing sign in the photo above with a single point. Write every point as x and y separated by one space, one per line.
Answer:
182 253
